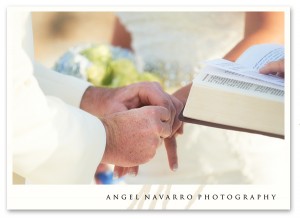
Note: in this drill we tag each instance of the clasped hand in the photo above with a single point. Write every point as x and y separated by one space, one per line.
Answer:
137 118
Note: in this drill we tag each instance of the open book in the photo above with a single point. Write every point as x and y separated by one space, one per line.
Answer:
234 95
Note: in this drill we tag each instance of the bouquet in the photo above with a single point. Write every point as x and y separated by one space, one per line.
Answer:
103 65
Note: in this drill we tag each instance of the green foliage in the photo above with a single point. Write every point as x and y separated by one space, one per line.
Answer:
110 72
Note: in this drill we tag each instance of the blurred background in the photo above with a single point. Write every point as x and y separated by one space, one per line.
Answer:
80 44
55 32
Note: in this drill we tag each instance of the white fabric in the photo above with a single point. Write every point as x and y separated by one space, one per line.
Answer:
67 88
177 42
206 155
52 141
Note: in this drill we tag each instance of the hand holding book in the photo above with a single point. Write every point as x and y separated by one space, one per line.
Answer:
233 95
275 68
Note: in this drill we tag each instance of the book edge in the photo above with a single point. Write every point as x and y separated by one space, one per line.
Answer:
182 118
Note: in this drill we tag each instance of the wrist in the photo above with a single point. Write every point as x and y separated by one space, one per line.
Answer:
183 93
91 100
110 140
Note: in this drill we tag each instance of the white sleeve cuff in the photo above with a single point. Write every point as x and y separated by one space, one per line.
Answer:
67 88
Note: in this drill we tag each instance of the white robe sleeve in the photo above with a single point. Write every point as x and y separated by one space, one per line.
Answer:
52 142
68 88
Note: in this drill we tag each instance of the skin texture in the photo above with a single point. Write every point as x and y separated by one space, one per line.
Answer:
136 144
105 103
260 27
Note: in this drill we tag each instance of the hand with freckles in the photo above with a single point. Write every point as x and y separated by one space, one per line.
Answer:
113 105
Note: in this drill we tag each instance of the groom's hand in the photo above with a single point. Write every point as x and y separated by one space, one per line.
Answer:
133 136
170 145
104 101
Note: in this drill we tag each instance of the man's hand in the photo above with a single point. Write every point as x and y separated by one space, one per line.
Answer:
133 136
104 101
171 148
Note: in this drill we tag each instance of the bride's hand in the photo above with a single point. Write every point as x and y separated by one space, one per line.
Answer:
276 67
170 142
183 93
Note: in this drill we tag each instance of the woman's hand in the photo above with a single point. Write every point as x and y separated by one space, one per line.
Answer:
275 68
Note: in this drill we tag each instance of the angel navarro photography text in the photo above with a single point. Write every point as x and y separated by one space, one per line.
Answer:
204 197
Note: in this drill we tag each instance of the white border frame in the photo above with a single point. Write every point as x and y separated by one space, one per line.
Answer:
94 196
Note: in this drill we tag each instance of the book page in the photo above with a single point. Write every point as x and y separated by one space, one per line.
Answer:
259 55
240 69
217 78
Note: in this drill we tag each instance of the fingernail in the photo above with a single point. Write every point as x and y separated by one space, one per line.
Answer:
262 70
132 173
175 167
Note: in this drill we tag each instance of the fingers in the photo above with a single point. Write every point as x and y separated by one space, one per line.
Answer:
180 130
273 68
151 122
133 171
171 148
153 94
170 103
163 114
159 119
163 128
179 106
122 171
119 171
